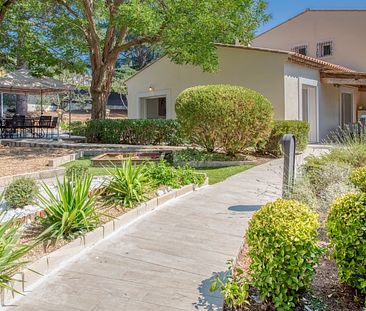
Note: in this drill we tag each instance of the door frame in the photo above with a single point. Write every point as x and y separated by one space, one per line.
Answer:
311 83
351 91
141 100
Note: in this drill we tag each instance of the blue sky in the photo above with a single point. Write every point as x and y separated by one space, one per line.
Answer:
282 10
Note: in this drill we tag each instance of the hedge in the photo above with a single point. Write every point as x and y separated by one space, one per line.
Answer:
281 127
230 117
134 132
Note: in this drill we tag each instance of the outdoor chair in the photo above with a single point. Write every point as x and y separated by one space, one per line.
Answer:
29 125
19 125
44 125
54 125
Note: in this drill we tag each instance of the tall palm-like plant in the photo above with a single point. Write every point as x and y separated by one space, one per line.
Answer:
71 212
128 186
11 252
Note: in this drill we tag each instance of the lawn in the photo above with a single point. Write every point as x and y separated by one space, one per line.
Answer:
215 175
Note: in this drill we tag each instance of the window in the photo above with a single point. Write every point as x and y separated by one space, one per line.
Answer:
324 49
300 49
346 108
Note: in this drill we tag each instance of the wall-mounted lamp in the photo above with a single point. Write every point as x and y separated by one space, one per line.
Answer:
151 88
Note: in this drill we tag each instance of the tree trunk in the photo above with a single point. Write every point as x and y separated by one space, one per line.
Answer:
101 88
21 104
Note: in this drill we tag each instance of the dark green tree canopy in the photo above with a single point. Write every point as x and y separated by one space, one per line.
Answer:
66 31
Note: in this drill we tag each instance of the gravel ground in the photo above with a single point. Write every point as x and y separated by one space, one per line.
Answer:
18 160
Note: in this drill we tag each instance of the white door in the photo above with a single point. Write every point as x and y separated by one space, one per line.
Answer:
309 110
346 108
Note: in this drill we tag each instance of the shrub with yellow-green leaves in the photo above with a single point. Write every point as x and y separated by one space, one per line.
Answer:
358 178
283 248
346 226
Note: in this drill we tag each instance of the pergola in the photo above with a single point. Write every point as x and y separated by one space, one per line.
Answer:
355 79
22 82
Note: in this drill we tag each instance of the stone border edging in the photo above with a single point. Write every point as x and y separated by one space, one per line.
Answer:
59 161
6 180
53 261
212 164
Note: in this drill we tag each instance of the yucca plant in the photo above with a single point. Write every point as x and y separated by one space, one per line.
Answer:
11 252
128 185
71 212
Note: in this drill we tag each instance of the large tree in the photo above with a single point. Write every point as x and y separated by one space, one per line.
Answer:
185 29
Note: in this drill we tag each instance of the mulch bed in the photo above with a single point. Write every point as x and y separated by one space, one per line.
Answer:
19 160
325 294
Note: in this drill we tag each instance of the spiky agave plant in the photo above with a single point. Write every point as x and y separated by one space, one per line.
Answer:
128 185
11 252
71 212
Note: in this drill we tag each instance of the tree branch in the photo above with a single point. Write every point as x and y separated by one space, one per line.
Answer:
5 7
68 8
92 34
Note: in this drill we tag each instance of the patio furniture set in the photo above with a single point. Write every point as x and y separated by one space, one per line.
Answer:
20 126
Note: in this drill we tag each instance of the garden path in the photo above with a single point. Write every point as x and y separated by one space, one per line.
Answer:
165 260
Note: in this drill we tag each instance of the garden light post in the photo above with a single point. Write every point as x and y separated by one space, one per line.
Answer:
289 151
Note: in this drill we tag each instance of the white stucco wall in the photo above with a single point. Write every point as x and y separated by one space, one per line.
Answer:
293 75
344 28
258 70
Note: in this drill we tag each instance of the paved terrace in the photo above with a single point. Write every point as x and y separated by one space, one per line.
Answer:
166 260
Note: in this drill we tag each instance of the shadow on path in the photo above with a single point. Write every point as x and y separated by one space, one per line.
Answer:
207 300
244 208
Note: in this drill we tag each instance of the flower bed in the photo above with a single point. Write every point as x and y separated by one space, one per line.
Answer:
77 212
278 261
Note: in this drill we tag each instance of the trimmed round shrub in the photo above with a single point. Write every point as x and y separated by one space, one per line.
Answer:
282 240
222 116
358 178
21 192
346 226
281 127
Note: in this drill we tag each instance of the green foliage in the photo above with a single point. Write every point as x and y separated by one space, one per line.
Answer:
358 178
128 186
21 192
223 116
11 252
346 226
71 212
134 132
281 127
162 174
187 155
282 240
76 170
77 128
234 286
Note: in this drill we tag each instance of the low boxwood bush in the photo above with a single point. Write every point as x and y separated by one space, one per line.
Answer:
76 170
282 240
223 116
346 226
281 127
21 192
134 132
358 178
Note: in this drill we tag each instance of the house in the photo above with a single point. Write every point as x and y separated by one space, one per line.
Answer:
300 87
331 35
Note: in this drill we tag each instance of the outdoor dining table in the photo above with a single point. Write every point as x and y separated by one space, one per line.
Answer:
19 125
